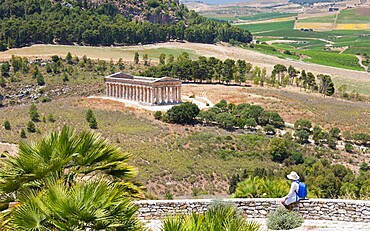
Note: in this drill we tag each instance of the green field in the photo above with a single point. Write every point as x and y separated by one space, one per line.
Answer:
255 17
323 19
266 16
353 16
313 43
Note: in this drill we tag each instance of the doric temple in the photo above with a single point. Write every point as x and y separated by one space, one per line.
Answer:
154 91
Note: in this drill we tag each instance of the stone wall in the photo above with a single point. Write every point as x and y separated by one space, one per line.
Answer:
315 209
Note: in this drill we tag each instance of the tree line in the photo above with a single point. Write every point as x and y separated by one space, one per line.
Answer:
41 21
212 70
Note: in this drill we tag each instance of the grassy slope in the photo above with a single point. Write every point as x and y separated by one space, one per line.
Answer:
160 151
104 53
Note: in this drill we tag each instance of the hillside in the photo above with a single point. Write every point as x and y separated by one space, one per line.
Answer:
119 22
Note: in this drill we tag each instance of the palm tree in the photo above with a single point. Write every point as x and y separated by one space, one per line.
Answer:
66 155
69 181
86 205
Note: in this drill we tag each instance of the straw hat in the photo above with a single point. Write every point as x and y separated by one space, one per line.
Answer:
293 176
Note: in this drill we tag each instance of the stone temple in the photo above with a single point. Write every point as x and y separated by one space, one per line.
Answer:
147 90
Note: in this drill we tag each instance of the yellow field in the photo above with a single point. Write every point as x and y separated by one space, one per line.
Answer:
352 27
283 19
314 26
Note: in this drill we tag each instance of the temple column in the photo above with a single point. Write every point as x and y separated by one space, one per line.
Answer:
163 92
129 92
133 93
176 99
122 91
147 94
136 93
179 94
155 95
114 90
144 94
171 97
169 92
107 89
151 99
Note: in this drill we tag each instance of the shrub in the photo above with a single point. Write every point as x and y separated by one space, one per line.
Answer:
23 134
348 147
219 216
34 115
158 115
45 99
51 118
7 125
31 127
283 219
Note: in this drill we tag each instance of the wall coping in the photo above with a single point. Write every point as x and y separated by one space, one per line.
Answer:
248 199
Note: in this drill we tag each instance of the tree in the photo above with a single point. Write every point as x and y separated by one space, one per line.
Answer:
136 58
5 68
52 181
183 114
7 125
302 124
120 64
170 58
23 134
69 58
40 80
2 82
90 117
34 115
31 127
146 58
278 149
228 70
226 120
302 136
65 77
162 59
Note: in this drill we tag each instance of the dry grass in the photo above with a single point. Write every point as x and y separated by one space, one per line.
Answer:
293 104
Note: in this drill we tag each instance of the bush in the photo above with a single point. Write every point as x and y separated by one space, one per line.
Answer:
7 125
51 118
31 127
283 219
220 216
348 147
23 134
158 115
